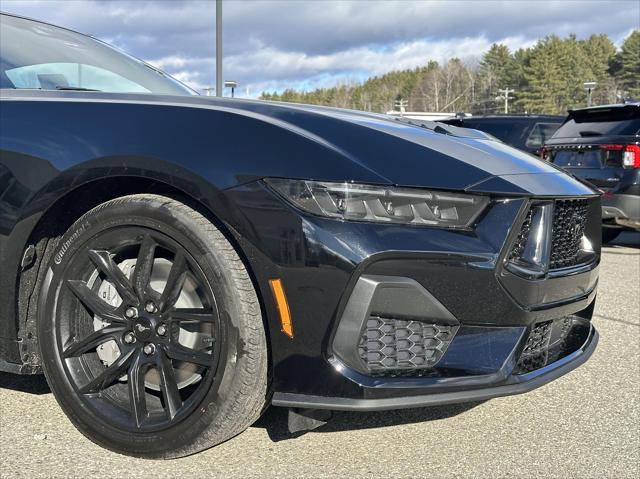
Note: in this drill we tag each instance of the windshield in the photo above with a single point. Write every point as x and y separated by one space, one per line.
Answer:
34 55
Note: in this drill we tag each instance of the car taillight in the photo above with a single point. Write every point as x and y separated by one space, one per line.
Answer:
544 153
630 154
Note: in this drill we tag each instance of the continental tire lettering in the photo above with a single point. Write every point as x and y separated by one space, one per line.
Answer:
57 259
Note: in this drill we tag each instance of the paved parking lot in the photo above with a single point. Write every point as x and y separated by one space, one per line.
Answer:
586 424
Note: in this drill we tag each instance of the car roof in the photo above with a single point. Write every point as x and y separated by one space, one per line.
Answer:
22 17
514 117
635 104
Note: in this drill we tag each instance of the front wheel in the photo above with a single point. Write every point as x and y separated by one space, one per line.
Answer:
150 330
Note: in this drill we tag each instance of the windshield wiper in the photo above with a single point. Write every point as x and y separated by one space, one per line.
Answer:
74 88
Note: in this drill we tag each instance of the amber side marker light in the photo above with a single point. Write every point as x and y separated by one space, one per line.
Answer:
283 306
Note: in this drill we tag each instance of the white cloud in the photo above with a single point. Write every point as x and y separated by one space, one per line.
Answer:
274 44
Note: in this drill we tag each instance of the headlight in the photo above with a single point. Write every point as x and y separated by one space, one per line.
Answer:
381 204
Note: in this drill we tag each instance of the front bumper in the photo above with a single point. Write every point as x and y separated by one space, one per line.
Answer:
321 261
511 386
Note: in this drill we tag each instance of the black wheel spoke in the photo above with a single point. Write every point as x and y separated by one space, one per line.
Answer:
193 316
144 265
93 303
167 331
182 353
137 393
104 262
175 282
93 340
110 375
169 386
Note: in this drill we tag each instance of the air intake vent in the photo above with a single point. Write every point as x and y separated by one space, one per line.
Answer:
394 346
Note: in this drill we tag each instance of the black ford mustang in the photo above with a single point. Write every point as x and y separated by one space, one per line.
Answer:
174 263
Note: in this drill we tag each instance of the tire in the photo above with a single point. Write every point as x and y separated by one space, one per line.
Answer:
157 361
609 234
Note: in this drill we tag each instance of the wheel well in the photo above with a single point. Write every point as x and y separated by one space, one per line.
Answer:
57 220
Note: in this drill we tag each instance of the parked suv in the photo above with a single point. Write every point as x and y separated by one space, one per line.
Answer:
525 132
602 145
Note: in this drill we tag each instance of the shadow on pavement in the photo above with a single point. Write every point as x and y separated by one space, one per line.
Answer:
629 239
274 420
36 384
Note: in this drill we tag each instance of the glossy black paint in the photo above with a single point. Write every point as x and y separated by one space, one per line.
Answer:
214 152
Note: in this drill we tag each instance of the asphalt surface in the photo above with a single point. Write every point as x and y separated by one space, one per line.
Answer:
586 424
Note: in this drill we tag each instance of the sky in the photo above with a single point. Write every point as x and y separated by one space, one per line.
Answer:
270 45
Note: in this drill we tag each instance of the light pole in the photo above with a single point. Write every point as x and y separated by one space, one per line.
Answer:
218 47
231 84
589 86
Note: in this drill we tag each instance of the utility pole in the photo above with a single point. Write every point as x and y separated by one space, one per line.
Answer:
402 104
218 47
504 95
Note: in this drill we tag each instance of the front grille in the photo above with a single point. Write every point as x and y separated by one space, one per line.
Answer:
568 227
535 354
394 346
523 237
569 221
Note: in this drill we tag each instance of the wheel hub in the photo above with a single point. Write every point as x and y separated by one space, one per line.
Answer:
144 329
145 324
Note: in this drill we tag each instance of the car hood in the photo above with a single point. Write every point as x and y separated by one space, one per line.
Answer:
362 146
421 153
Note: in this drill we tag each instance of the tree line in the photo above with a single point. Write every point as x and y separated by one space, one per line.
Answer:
546 78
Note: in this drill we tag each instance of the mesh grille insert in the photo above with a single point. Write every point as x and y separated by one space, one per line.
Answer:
536 352
569 221
568 227
395 346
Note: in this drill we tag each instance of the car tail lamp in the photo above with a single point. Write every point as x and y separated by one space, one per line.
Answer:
544 153
382 204
630 154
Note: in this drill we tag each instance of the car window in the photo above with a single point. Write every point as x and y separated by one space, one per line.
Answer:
504 130
540 133
604 122
578 159
50 76
39 56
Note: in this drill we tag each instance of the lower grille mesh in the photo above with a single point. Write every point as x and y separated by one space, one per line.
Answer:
394 346
535 354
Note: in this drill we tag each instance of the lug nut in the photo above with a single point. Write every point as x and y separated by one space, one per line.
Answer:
150 307
149 349
129 338
131 312
162 329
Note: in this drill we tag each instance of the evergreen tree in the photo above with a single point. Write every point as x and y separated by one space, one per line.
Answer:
628 65
547 77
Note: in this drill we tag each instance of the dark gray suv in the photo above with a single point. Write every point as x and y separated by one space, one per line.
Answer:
602 145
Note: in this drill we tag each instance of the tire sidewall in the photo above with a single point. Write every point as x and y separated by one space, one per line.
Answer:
158 216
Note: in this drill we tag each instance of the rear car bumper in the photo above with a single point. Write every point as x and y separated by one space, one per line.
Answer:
621 210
